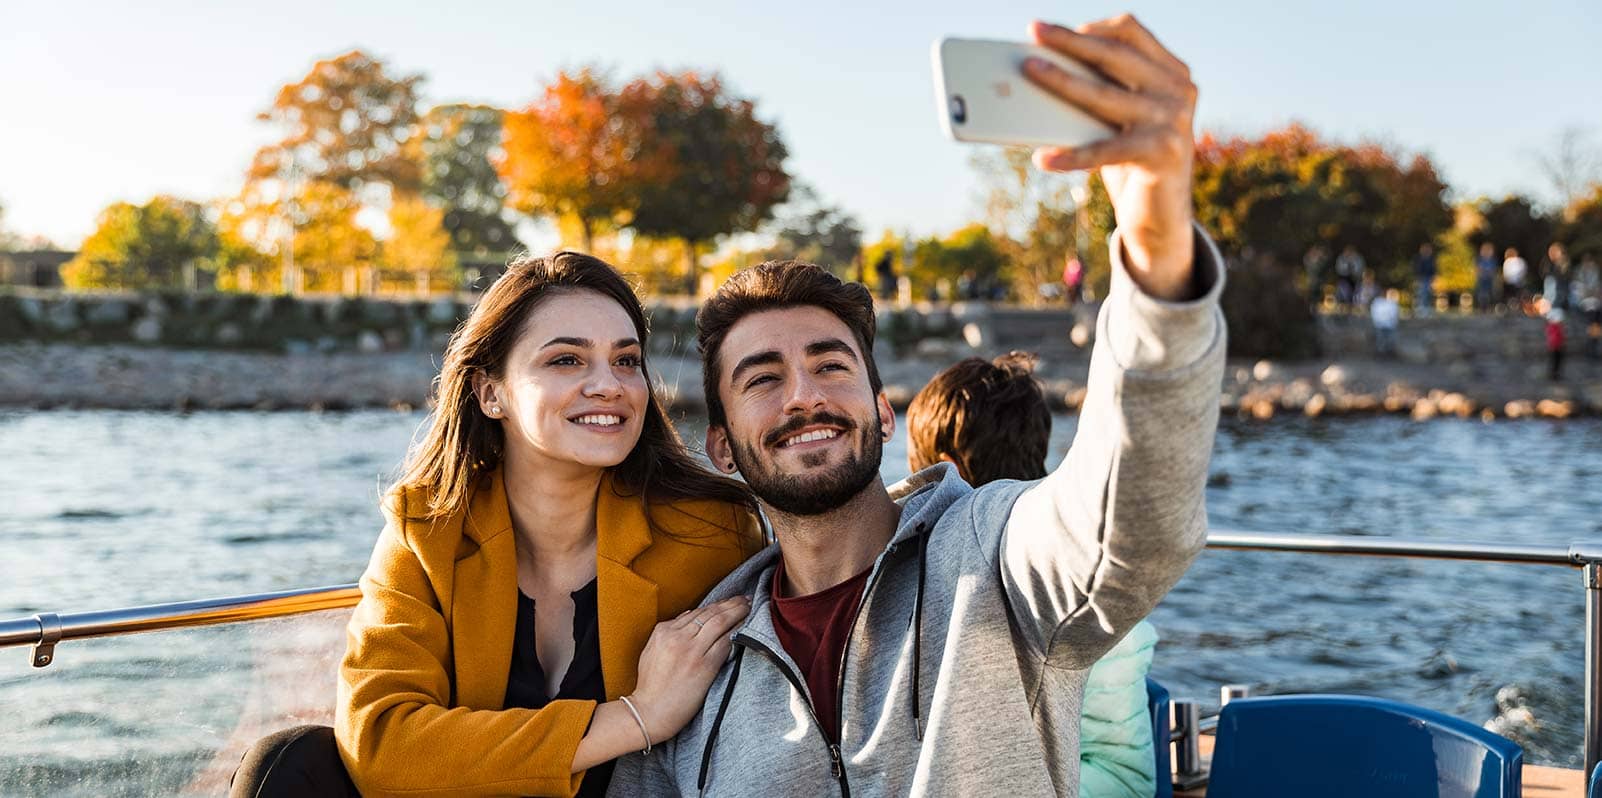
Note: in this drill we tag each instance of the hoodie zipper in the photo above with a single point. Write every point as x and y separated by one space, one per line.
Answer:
836 762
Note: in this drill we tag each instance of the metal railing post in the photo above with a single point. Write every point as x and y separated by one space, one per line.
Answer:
1593 666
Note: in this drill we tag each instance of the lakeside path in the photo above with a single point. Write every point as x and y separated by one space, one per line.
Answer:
46 376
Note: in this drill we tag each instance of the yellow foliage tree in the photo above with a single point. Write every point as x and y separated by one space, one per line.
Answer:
332 251
155 245
417 255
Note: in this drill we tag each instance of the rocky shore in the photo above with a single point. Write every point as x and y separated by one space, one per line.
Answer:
64 376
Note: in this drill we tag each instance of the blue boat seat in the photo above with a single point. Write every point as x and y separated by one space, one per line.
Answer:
1336 746
1157 705
1595 790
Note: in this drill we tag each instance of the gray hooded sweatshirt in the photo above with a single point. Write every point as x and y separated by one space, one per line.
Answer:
965 668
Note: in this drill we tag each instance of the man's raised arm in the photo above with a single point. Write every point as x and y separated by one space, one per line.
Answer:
1093 547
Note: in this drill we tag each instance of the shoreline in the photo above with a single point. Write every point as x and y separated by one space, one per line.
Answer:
124 377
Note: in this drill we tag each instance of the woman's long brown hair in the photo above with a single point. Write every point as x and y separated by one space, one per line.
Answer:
462 445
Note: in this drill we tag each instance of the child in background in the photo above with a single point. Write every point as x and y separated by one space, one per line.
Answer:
991 421
1555 339
1386 313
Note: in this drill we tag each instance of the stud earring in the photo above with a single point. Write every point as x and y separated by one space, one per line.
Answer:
495 410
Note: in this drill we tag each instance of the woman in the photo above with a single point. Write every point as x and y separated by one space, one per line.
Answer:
529 612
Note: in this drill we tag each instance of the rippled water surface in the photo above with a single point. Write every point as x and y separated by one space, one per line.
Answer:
108 509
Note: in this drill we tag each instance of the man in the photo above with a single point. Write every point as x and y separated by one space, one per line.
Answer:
990 420
1424 268
935 639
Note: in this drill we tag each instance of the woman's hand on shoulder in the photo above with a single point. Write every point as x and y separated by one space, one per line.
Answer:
680 661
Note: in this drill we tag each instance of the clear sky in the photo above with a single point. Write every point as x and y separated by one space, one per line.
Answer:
106 101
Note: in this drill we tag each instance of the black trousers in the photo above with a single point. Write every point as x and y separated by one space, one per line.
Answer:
302 761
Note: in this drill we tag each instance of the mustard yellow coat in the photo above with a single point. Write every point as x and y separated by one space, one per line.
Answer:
429 646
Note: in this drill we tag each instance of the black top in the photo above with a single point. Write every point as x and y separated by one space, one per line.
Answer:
525 685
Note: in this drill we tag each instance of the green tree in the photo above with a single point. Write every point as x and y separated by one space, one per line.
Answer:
456 147
346 123
1032 214
727 166
157 245
972 255
809 229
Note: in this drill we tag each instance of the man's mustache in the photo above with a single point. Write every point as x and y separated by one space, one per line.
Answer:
796 424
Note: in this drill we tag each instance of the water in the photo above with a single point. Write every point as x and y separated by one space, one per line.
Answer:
106 509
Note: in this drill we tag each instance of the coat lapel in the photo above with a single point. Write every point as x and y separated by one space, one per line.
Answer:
484 604
626 600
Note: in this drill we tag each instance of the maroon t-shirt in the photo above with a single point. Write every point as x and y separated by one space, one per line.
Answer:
813 630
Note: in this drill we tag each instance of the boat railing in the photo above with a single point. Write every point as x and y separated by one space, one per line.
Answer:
44 631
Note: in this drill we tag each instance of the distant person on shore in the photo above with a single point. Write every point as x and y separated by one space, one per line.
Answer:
1349 269
529 613
1556 285
990 419
1073 279
885 270
1514 273
1367 291
1424 270
1588 289
1386 314
1485 268
1316 262
1556 337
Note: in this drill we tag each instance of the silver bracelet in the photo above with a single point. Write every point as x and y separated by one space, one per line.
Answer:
639 720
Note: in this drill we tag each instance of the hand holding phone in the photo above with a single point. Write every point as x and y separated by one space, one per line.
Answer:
983 96
1145 97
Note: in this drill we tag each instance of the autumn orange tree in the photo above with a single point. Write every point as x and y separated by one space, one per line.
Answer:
580 153
345 123
727 166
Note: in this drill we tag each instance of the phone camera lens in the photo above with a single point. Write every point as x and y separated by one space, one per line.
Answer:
959 109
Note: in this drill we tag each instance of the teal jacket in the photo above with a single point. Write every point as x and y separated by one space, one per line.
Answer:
1115 746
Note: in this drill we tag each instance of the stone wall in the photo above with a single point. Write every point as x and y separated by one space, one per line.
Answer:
295 325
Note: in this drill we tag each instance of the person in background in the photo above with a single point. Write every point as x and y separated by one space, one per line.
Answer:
990 420
1386 313
1556 289
1588 290
1349 269
1556 337
1073 278
1485 268
529 612
885 270
1367 291
1514 272
1316 262
1424 269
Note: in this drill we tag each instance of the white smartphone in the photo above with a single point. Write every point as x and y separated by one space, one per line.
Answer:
983 96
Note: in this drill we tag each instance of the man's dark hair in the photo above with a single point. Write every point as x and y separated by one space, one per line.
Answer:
775 285
990 418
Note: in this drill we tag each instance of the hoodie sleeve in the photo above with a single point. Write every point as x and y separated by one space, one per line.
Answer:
1090 550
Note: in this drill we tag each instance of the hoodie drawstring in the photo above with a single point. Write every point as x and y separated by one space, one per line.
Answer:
917 634
723 707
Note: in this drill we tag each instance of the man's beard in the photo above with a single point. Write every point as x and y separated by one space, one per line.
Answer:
817 493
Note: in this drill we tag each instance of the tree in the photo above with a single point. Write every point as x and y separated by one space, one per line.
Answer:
1280 194
727 166
1512 221
1572 166
331 250
581 152
1581 228
809 229
456 147
419 247
346 123
157 245
8 241
1031 212
972 257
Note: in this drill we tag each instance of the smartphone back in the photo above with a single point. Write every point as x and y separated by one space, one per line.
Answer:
984 97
